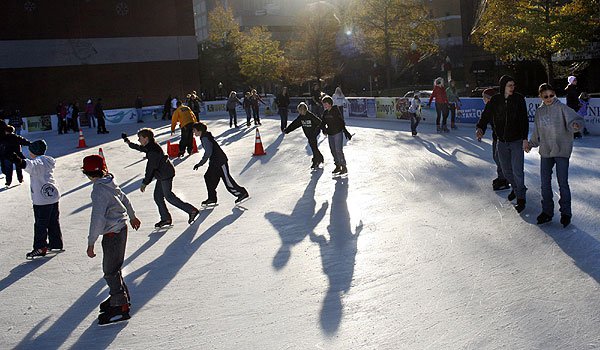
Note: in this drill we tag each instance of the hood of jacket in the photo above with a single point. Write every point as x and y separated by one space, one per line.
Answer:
503 81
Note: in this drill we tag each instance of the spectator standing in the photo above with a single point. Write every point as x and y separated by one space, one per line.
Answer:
283 105
139 105
99 113
316 105
248 107
339 100
89 113
255 99
167 108
573 98
75 116
584 100
453 103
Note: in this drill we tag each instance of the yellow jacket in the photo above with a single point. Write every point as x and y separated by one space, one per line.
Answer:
184 116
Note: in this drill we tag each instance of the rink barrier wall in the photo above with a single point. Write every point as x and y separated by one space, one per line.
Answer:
382 108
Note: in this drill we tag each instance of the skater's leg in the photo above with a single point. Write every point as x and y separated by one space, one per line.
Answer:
230 183
546 165
167 188
505 163
19 171
444 107
314 146
562 175
438 111
41 214
113 248
452 108
159 199
55 240
7 170
338 140
517 159
496 159
212 178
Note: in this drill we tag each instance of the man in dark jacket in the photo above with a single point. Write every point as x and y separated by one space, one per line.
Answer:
10 143
283 103
160 167
507 112
311 125
217 168
99 113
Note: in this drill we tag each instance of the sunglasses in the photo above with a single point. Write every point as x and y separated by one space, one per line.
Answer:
547 96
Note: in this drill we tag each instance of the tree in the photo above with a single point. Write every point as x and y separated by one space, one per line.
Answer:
392 29
261 58
535 29
312 53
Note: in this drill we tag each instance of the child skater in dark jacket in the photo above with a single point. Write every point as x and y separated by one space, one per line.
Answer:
311 125
160 167
110 210
217 168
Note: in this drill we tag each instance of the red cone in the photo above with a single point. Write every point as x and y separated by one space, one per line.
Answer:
258 147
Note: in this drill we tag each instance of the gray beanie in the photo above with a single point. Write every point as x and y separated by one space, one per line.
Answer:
38 147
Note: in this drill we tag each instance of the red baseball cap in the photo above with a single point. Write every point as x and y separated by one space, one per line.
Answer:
94 163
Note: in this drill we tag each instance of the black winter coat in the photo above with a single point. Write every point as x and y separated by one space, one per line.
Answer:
333 122
11 143
573 97
508 117
159 166
311 125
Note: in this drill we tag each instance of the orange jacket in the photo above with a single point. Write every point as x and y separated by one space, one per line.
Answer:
184 116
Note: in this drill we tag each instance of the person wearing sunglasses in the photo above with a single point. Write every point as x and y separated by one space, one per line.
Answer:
554 126
507 111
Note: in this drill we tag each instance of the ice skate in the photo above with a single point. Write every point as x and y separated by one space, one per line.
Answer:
163 223
114 314
565 220
193 215
543 218
242 198
209 203
36 252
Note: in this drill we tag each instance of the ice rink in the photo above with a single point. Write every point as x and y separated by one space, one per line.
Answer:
413 250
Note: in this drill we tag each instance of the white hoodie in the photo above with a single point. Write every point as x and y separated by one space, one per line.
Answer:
43 185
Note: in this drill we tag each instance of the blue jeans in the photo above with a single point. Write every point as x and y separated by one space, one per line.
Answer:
46 229
336 145
414 121
512 160
164 191
113 249
562 175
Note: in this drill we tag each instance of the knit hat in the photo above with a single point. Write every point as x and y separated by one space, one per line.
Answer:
571 79
94 163
38 147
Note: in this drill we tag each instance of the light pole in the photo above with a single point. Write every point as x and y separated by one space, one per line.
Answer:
220 85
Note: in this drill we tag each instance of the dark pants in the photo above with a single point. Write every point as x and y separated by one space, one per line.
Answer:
314 147
62 125
512 160
452 108
164 191
442 111
255 114
214 174
232 117
562 175
496 159
186 142
101 125
7 169
283 114
414 121
248 115
113 248
47 227
91 120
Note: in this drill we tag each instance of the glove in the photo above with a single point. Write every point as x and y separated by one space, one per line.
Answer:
347 134
143 187
197 166
124 136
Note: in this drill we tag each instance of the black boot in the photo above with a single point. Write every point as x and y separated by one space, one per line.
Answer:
343 170
543 218
520 205
512 195
114 314
336 170
162 223
565 219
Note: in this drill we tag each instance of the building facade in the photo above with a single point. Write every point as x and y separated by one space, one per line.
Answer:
72 50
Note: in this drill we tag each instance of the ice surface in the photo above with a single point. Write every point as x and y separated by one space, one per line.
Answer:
413 250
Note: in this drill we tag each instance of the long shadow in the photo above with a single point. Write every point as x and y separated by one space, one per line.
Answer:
236 137
583 248
89 183
21 271
338 255
88 303
157 275
270 151
293 228
127 187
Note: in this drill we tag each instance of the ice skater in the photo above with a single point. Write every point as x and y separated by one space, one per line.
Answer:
311 125
334 127
414 111
217 168
110 210
45 196
160 167
11 143
186 118
554 124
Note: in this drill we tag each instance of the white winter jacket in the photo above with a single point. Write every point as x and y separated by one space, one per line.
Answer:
43 186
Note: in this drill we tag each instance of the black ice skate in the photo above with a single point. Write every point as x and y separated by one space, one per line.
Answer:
242 198
512 196
520 206
565 220
336 170
209 203
500 185
105 305
163 223
193 216
114 314
36 252
543 218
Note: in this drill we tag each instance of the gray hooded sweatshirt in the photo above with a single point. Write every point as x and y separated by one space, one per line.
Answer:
553 131
110 208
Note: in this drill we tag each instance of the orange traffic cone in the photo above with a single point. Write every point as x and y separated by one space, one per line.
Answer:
101 154
81 140
194 145
258 147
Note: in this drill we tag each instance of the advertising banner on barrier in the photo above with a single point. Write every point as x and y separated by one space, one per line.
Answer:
39 123
386 107
357 107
